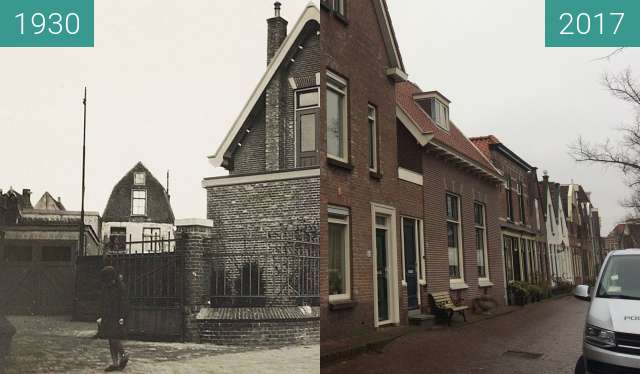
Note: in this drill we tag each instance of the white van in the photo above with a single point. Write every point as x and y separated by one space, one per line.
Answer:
612 332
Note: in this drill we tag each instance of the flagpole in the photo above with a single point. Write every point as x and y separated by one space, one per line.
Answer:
83 245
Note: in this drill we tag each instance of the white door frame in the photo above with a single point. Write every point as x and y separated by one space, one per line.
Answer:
393 301
420 276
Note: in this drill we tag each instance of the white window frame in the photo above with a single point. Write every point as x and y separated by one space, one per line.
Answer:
133 199
295 117
420 262
437 105
340 216
135 178
487 277
372 127
460 240
151 243
340 86
392 262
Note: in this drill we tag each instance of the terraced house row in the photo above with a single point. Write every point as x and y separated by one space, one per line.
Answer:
410 207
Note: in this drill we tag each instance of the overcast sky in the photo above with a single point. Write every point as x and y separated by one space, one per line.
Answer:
165 80
489 58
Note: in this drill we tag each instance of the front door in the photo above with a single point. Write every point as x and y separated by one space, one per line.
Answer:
410 260
382 268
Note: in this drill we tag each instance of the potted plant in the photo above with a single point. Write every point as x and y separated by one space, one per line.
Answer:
519 292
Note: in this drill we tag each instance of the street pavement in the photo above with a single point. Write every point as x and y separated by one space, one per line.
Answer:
56 345
544 338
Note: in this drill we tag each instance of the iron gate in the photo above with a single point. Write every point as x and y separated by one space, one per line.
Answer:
155 281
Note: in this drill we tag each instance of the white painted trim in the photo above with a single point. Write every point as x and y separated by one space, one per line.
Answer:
194 222
485 283
410 176
420 268
389 40
392 263
421 136
397 75
347 262
270 177
310 13
457 285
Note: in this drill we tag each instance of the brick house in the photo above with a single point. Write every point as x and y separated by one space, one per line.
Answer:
559 250
138 211
266 211
583 224
398 180
521 220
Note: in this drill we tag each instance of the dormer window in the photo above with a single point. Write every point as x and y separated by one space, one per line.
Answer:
139 179
436 106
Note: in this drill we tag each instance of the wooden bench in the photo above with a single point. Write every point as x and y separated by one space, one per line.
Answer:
444 307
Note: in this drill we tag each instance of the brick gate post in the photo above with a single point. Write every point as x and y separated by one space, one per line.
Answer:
194 241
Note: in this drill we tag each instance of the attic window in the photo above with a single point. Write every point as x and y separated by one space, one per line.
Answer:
436 106
139 179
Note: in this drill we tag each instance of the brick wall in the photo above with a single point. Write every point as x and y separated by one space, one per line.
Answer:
440 177
357 53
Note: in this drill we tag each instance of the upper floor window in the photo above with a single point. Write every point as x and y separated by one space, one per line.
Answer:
307 104
139 179
509 196
373 138
337 128
337 6
439 112
139 203
523 213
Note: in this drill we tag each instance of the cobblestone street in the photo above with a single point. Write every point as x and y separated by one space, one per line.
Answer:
56 345
542 338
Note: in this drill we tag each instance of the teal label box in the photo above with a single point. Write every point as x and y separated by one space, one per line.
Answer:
592 23
46 23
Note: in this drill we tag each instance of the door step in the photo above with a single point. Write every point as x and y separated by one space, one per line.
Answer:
424 320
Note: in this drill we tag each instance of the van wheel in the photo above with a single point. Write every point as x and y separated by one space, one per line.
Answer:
580 369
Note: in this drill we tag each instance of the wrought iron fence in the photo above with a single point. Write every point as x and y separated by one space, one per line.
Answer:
273 267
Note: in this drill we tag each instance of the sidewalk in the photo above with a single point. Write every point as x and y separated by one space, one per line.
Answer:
57 345
335 350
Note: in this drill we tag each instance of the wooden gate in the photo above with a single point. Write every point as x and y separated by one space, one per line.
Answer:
155 281
36 278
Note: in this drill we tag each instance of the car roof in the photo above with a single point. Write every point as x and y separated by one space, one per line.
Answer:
622 252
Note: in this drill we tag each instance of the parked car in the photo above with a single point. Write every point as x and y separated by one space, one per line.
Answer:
612 331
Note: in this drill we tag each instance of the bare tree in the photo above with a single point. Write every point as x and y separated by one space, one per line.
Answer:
623 154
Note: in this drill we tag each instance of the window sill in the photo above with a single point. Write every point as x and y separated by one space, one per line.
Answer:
342 18
375 174
483 283
342 304
458 285
339 164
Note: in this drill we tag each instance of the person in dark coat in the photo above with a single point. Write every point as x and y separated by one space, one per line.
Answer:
113 316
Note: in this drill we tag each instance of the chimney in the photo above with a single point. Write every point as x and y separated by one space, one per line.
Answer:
276 32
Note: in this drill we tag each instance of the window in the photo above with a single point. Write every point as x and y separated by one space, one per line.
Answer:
18 254
337 6
53 254
373 139
339 264
307 99
481 241
307 104
118 239
139 179
509 200
337 137
523 216
151 239
139 203
453 238
439 112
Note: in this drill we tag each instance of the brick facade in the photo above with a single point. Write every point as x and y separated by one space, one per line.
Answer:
347 40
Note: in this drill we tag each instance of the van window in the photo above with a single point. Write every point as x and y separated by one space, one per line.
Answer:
621 278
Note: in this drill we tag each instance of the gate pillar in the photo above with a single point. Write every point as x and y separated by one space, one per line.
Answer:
194 240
